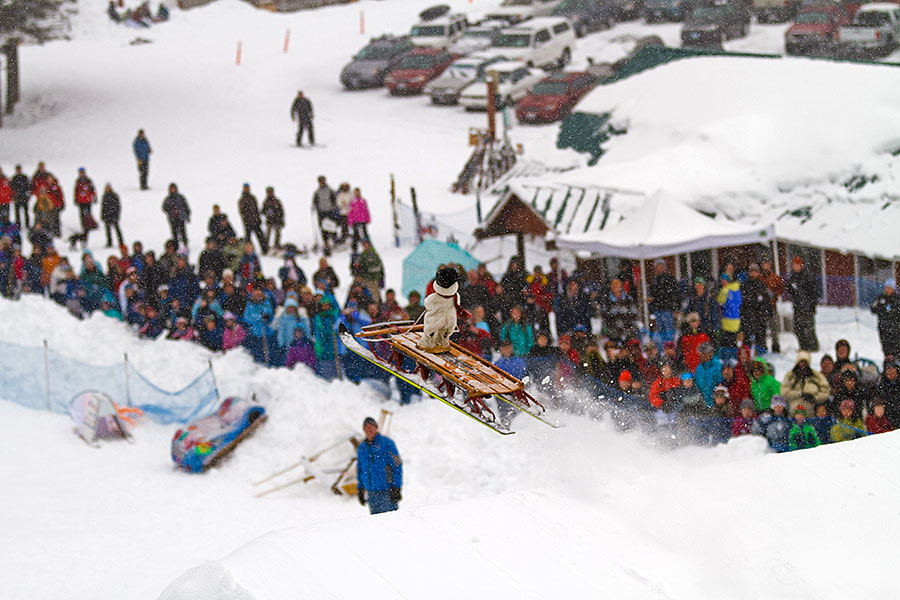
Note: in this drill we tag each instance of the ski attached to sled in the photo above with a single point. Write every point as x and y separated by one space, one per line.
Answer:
457 377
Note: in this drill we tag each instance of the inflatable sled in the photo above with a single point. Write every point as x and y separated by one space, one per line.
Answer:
205 441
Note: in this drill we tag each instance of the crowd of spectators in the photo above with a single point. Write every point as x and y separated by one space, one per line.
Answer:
698 370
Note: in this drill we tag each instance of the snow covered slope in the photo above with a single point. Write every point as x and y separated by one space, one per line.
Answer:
542 512
807 524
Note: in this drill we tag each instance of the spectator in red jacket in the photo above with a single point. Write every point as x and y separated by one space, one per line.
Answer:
661 395
737 382
691 340
6 197
877 421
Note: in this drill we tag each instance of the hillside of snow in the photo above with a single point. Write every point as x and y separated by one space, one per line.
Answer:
583 509
540 513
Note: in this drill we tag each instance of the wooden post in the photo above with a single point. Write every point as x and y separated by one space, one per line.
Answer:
492 105
417 216
520 247
394 211
12 74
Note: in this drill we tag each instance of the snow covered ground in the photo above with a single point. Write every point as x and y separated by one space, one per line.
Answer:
542 513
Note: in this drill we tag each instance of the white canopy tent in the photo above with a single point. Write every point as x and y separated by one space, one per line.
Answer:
664 226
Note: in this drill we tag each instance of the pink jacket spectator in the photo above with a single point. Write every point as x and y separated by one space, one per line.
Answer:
359 211
232 338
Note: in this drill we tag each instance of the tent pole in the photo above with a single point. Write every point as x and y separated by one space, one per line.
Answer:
47 374
690 268
644 295
213 374
127 383
775 263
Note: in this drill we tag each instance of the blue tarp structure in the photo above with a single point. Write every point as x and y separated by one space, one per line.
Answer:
420 265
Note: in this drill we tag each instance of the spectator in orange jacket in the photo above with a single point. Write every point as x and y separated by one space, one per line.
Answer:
661 390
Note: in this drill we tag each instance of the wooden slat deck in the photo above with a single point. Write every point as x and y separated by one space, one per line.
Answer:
466 370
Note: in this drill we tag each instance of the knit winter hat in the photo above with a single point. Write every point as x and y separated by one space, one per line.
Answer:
847 404
801 410
369 421
624 376
804 355
446 281
778 401
721 389
748 404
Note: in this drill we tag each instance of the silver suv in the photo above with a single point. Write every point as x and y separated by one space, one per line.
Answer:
369 67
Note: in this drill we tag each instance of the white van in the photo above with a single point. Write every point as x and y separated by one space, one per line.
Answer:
440 32
543 42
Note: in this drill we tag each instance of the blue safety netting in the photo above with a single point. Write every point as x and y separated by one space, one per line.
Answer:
47 380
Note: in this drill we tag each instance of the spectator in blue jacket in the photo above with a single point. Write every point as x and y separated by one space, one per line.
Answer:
257 317
142 152
709 372
379 470
515 366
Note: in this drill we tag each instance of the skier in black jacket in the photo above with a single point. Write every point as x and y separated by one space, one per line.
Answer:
21 189
887 308
756 308
273 211
177 210
804 292
249 211
302 112
110 211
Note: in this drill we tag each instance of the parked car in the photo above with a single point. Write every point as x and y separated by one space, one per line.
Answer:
514 80
815 30
553 98
665 10
874 29
416 68
628 10
515 11
545 42
476 38
440 32
709 26
374 61
775 11
587 15
464 71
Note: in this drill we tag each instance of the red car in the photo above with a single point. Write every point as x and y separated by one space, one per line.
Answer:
815 30
553 98
416 68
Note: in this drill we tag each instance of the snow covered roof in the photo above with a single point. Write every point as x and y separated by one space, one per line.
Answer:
754 140
663 226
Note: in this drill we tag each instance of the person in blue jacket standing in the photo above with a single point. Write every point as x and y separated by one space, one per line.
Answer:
379 470
142 152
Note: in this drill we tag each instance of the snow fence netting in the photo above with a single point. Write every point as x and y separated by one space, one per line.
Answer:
43 379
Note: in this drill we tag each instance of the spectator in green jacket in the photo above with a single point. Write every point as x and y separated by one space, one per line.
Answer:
370 269
847 427
518 331
762 385
802 434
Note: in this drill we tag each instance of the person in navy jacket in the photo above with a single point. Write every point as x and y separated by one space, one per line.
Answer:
379 470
